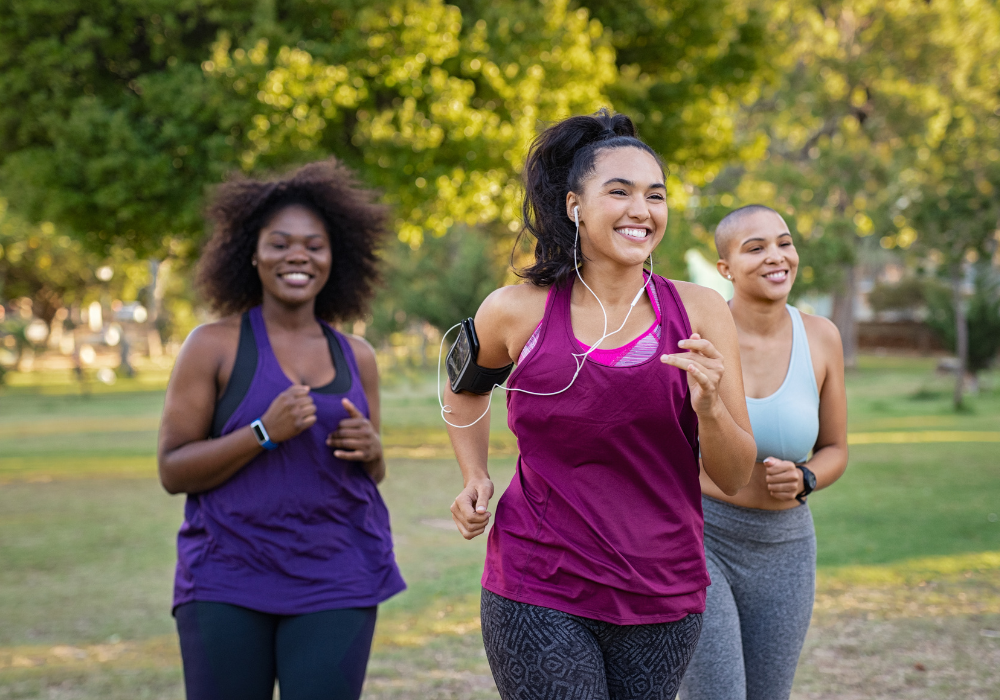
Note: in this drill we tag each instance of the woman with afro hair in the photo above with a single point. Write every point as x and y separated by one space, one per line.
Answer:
271 428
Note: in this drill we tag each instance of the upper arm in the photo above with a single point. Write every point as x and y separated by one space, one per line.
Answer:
711 318
364 353
505 321
824 337
189 404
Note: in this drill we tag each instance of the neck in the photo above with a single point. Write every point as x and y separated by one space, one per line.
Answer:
279 315
758 316
614 284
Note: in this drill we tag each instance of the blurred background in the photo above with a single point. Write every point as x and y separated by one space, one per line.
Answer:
873 127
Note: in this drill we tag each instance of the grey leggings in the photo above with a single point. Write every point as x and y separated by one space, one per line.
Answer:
763 569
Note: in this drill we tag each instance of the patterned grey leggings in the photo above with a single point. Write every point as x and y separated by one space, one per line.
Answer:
538 653
763 569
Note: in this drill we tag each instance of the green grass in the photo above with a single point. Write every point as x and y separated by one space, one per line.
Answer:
87 537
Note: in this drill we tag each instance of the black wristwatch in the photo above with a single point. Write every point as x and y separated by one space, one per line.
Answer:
808 483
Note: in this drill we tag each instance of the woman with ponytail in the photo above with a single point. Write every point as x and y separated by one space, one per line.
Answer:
595 572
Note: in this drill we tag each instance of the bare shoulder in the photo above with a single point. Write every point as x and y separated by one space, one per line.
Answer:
207 356
513 302
364 353
822 331
211 340
705 307
505 321
697 294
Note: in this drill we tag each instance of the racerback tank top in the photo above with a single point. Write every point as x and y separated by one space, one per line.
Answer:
603 516
296 530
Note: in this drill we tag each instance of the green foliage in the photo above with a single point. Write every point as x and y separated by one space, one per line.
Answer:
442 282
864 96
685 68
120 117
905 295
982 315
953 182
107 125
868 124
55 271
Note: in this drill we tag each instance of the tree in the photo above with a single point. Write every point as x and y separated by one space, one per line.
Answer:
982 315
859 92
55 271
442 282
435 110
953 196
685 69
117 117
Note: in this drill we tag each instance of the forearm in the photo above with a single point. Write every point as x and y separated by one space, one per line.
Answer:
828 464
204 464
728 451
471 444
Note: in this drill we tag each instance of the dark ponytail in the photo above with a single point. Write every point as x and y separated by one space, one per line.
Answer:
560 161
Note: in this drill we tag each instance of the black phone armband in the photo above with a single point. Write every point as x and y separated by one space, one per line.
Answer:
463 372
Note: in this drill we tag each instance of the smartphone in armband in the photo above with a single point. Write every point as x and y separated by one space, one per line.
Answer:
463 372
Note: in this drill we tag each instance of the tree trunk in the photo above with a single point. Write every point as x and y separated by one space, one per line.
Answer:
843 315
961 334
158 272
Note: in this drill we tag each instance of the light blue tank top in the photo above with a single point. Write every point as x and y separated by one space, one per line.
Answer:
786 423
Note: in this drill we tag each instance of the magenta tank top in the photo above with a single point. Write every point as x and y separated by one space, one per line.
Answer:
603 516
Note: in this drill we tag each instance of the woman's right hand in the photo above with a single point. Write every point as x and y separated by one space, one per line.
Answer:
469 509
291 413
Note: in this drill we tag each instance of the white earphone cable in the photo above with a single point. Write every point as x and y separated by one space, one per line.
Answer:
578 358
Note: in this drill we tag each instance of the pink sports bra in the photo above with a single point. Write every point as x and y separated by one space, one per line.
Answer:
634 353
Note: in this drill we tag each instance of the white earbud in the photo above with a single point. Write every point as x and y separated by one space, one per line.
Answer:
579 358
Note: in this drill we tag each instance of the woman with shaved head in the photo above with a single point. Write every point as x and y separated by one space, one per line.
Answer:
760 543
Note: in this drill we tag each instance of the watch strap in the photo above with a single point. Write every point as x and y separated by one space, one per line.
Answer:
263 439
808 482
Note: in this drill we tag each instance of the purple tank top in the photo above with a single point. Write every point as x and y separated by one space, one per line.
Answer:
296 530
603 516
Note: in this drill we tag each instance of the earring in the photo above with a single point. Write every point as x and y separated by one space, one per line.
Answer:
254 263
728 277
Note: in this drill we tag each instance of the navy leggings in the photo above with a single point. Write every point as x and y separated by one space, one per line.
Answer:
234 653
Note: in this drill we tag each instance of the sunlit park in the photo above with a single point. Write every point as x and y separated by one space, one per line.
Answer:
873 128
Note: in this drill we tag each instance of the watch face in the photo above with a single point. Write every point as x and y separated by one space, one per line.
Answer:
258 433
809 479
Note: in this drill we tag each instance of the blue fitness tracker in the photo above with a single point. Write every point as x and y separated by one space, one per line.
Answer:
464 373
262 437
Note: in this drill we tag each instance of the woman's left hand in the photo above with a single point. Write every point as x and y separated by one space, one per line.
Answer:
355 439
704 368
784 480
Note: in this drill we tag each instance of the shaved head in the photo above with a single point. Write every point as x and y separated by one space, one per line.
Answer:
729 228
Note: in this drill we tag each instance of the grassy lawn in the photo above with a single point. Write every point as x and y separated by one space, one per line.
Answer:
908 601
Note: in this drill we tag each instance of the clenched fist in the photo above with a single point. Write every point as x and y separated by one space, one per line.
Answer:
291 413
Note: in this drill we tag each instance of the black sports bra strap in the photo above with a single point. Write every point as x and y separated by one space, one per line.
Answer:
240 378
341 383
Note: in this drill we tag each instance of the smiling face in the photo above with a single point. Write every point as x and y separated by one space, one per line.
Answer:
293 256
623 207
761 257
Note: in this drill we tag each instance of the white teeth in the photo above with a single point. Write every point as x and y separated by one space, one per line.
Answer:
633 232
781 274
295 276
